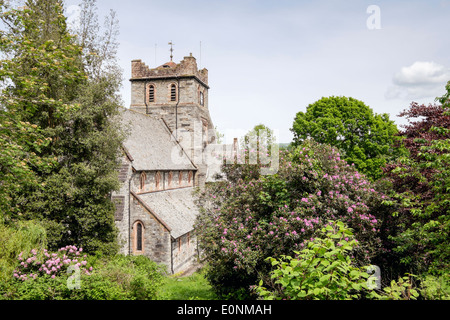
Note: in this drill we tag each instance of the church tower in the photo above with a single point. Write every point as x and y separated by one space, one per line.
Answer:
177 93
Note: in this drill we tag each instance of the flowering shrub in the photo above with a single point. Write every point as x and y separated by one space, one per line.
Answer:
323 270
250 217
43 276
51 264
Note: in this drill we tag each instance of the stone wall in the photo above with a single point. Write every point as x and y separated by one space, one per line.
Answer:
146 181
188 66
156 238
121 199
184 252
188 92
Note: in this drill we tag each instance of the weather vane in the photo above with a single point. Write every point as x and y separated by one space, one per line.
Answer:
171 50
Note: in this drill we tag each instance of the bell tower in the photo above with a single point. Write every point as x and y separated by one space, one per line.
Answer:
177 93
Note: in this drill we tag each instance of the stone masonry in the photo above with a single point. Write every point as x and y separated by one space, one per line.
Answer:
185 111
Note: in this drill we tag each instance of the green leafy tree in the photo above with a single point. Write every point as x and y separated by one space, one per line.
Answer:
348 124
420 183
260 137
258 145
49 86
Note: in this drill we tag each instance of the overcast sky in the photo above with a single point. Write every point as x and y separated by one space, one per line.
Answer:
269 59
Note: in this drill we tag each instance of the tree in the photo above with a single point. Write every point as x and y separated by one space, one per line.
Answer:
420 227
348 124
49 87
260 137
257 146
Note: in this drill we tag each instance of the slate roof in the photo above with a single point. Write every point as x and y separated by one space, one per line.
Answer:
151 144
174 208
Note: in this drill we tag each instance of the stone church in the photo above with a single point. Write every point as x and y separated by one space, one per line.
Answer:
169 127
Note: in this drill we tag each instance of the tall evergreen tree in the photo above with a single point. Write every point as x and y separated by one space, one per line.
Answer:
51 86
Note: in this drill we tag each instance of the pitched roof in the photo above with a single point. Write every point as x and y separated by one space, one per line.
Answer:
175 209
151 145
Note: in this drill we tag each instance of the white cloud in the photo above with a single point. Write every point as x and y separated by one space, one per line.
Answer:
422 72
422 79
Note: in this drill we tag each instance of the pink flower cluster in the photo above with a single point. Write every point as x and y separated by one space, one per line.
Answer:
50 264
256 216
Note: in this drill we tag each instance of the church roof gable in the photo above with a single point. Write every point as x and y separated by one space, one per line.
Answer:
151 145
176 208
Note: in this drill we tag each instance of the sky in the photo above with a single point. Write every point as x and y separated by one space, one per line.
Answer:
269 59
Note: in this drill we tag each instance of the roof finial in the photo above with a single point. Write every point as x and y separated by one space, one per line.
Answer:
171 50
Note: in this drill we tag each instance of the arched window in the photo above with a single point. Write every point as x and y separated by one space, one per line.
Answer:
151 93
139 237
173 92
202 99
142 179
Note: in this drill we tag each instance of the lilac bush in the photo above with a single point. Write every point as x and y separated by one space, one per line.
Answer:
44 263
250 217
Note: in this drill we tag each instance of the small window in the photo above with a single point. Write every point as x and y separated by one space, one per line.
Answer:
143 177
151 93
169 179
180 178
189 177
202 101
139 237
173 92
158 180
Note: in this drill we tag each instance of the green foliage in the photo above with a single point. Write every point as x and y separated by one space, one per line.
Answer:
114 278
250 217
24 236
324 270
403 289
327 270
193 287
420 184
137 276
435 287
59 129
260 137
367 139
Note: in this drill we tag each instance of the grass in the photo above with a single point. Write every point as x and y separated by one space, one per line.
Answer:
193 287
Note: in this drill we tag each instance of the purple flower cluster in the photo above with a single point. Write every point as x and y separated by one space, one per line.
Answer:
251 218
51 264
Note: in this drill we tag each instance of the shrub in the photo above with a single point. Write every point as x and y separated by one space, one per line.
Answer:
435 288
250 217
52 264
137 275
46 276
420 185
14 239
324 270
93 287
